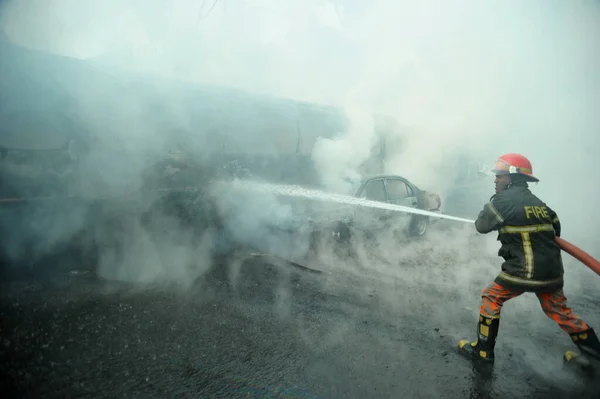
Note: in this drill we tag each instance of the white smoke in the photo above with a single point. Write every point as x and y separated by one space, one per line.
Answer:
471 77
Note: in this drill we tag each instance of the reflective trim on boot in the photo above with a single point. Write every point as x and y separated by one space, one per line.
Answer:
579 363
587 342
473 351
483 347
573 357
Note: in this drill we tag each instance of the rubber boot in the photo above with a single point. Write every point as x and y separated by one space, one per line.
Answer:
587 342
483 347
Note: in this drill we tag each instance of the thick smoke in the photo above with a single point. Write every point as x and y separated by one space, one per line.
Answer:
466 80
339 159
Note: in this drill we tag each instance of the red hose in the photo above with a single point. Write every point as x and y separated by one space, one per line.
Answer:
579 254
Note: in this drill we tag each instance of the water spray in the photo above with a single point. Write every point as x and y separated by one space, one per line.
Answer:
301 192
297 191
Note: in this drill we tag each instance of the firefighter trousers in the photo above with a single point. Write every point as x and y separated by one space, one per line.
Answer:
554 305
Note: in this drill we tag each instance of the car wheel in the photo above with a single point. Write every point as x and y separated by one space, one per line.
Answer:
419 225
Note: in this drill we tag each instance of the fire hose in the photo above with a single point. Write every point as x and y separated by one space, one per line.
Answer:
579 254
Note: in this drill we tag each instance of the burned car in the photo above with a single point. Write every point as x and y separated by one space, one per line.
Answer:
371 222
398 190
296 222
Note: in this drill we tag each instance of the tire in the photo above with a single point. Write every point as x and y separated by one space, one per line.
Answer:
418 225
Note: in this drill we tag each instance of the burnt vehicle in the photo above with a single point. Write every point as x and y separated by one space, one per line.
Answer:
348 221
75 190
398 190
133 157
297 223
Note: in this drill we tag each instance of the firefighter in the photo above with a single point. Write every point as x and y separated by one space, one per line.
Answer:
527 228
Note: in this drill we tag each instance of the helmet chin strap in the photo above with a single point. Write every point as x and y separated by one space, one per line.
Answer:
510 183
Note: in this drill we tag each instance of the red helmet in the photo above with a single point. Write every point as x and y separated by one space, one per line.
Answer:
514 164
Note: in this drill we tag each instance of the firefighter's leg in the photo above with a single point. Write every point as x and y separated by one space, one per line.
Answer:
555 306
493 297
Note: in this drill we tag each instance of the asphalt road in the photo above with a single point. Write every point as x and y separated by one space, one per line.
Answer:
278 331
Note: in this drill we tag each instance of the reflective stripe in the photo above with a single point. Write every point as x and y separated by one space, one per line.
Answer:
525 232
555 220
528 255
534 228
503 165
522 281
495 212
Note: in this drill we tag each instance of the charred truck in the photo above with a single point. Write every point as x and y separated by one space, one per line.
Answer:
92 157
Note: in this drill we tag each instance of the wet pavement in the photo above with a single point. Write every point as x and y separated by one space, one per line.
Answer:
278 331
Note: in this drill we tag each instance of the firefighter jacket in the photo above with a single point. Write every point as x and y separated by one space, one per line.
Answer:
527 228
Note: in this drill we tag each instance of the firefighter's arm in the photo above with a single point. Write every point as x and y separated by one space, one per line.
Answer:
491 217
555 222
